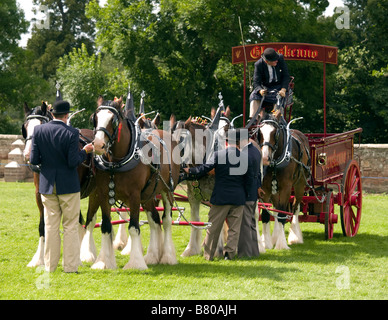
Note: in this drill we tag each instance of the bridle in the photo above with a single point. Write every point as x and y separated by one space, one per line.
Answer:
278 128
42 119
115 125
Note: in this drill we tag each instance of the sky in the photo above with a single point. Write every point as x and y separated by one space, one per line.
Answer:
27 6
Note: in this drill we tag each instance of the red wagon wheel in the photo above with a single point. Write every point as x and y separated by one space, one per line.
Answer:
352 199
330 217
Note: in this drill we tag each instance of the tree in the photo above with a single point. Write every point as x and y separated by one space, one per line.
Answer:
68 28
12 25
178 51
82 80
360 85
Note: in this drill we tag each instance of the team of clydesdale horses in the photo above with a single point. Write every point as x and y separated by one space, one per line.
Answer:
134 162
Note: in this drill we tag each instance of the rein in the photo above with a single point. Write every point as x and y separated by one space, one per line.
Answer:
42 119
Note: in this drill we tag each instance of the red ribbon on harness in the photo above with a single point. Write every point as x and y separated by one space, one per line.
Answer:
119 134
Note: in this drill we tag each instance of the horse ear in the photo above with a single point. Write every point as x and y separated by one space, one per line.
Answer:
26 108
156 121
187 122
277 115
43 107
212 112
172 121
227 112
100 101
141 122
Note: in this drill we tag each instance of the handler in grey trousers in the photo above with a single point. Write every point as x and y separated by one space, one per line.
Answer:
248 243
55 148
228 196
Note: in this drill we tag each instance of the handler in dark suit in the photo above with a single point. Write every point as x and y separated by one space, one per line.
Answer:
55 148
248 244
270 73
228 196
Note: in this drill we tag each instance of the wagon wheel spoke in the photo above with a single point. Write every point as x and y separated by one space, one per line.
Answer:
351 219
352 199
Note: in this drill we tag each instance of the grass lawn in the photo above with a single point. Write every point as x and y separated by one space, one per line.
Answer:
341 268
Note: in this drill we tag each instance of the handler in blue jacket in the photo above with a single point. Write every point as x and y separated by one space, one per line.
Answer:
55 148
228 196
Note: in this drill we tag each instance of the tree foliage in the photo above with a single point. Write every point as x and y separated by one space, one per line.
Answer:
361 83
179 52
68 28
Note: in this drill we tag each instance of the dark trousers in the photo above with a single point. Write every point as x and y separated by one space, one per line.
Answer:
217 216
247 244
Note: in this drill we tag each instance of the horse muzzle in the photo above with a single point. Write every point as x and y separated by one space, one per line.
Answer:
99 146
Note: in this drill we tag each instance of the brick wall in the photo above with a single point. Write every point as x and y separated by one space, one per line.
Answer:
12 166
374 166
6 141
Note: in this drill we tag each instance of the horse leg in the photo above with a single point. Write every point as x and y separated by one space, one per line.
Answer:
260 242
295 233
121 239
281 243
81 229
155 247
169 255
194 245
38 258
136 259
266 238
106 259
88 247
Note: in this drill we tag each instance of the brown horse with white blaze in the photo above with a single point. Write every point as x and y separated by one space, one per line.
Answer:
133 167
286 155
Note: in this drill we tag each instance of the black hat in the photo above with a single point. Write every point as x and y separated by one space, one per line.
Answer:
61 107
270 54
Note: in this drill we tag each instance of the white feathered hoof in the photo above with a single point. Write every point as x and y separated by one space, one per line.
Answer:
38 258
127 249
120 242
169 259
295 233
106 259
266 237
194 246
88 248
136 259
281 243
121 239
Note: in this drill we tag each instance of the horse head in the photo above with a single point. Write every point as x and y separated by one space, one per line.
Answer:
33 118
108 122
270 138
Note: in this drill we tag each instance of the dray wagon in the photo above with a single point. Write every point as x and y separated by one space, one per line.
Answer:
335 174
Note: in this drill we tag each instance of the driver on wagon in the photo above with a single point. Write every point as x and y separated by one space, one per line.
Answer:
270 73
